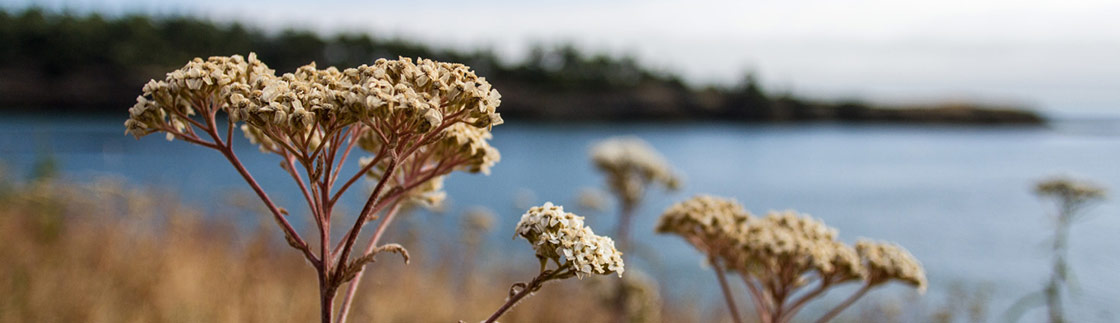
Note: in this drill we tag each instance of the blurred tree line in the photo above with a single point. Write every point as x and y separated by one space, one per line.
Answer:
91 63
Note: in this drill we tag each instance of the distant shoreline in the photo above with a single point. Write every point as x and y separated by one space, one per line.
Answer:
941 115
62 63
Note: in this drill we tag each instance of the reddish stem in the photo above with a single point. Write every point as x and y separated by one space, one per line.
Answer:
352 234
760 300
351 140
359 174
353 288
227 150
848 302
529 289
291 168
726 291
788 314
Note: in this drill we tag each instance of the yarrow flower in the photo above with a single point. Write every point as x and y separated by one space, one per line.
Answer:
398 99
419 120
630 164
707 222
416 96
787 240
1072 197
784 251
1069 190
479 219
166 105
562 237
472 144
887 261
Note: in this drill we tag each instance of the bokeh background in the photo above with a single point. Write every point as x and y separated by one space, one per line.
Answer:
923 123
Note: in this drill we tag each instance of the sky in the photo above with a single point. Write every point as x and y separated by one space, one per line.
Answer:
1059 57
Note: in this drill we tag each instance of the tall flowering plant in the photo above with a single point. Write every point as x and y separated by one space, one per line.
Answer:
785 259
414 122
631 168
1072 198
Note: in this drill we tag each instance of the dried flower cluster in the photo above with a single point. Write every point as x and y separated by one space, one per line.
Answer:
167 105
478 219
563 238
705 221
783 252
396 99
885 260
630 165
1072 197
1070 192
786 241
418 120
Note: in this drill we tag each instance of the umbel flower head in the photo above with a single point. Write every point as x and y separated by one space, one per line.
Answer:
395 103
630 164
1069 191
708 222
414 96
783 252
791 242
563 238
887 261
167 104
479 219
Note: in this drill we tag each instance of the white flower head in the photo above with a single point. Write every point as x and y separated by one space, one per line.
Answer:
630 164
562 237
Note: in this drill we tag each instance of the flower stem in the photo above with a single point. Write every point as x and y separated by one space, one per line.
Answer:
352 235
529 289
626 215
348 298
788 314
762 303
289 231
726 291
848 302
326 303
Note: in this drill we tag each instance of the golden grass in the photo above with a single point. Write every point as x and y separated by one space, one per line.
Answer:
106 253
103 252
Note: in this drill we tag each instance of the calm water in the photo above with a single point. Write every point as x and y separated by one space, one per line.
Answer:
957 197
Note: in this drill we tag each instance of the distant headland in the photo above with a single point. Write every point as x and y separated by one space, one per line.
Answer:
95 64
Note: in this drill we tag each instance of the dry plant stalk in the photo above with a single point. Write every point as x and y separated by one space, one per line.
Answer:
1072 197
785 259
631 167
420 121
562 238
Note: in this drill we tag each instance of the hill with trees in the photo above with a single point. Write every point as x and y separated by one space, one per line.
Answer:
96 64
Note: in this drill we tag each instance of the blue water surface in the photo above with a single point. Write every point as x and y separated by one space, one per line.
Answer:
959 198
